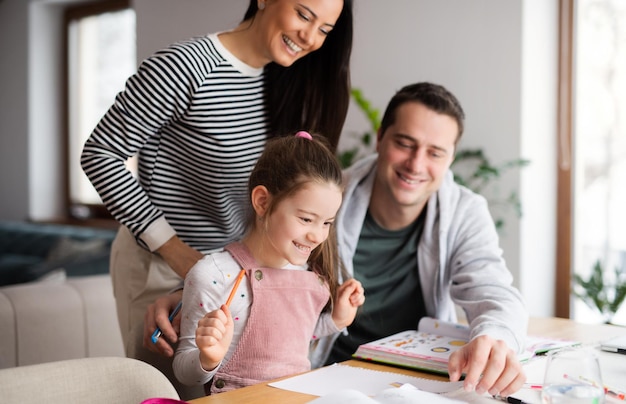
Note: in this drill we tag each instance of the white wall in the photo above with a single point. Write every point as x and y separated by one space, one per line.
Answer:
485 51
159 24
537 241
45 72
14 170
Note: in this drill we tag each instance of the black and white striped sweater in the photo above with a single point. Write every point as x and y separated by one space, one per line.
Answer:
196 117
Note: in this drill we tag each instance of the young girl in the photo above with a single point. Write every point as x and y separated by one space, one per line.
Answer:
289 295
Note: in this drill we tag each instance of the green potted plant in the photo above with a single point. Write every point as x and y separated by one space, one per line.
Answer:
349 156
599 293
475 171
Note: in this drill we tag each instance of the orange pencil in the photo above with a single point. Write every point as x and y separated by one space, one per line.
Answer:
237 282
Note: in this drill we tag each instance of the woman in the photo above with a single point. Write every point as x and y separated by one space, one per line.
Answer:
198 115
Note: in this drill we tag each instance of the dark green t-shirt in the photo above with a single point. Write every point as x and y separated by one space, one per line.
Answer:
385 263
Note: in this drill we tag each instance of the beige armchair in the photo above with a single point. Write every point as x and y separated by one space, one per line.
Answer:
58 320
88 380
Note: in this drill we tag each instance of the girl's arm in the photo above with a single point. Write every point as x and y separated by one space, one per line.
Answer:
205 320
201 297
350 296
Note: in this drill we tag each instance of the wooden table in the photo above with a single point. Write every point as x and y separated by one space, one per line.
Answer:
545 327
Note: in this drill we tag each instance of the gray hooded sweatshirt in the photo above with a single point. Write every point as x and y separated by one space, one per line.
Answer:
458 256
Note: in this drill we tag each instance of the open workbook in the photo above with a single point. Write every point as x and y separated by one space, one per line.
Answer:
429 347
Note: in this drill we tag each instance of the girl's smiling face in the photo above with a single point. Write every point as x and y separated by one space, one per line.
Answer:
299 224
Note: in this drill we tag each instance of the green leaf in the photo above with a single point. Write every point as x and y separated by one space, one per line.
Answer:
599 295
346 158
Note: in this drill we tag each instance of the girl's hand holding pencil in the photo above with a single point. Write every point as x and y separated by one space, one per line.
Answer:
213 337
215 331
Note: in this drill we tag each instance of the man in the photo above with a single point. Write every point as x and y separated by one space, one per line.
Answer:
420 244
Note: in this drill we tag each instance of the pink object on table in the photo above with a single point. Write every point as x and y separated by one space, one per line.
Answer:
162 400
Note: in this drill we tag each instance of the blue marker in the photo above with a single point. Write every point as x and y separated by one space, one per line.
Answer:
157 333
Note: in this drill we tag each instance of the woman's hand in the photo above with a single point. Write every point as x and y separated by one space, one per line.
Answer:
157 314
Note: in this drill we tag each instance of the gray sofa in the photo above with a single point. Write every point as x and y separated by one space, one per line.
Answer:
30 251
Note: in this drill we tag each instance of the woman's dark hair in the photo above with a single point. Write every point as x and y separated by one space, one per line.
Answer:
314 93
287 165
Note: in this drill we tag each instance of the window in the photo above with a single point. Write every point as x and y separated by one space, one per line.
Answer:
597 142
101 55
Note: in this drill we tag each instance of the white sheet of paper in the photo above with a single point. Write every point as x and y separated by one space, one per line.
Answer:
346 396
406 394
333 378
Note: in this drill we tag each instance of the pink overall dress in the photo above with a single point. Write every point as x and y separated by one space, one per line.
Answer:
286 305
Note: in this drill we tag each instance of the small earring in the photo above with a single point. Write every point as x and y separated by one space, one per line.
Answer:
262 6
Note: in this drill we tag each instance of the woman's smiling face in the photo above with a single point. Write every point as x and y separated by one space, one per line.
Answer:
291 29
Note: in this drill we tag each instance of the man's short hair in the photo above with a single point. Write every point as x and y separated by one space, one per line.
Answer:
432 96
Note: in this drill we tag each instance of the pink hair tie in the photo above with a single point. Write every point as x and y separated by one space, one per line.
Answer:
304 134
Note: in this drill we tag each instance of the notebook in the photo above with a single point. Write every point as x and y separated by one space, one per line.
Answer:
616 344
429 347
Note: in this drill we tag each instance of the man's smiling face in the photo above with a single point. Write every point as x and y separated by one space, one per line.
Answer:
414 154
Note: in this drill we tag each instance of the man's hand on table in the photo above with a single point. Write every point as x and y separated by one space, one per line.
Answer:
489 366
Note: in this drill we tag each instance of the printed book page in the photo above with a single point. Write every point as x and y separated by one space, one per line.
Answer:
541 345
430 347
452 330
416 349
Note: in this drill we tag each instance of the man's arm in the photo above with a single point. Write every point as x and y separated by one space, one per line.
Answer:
482 285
